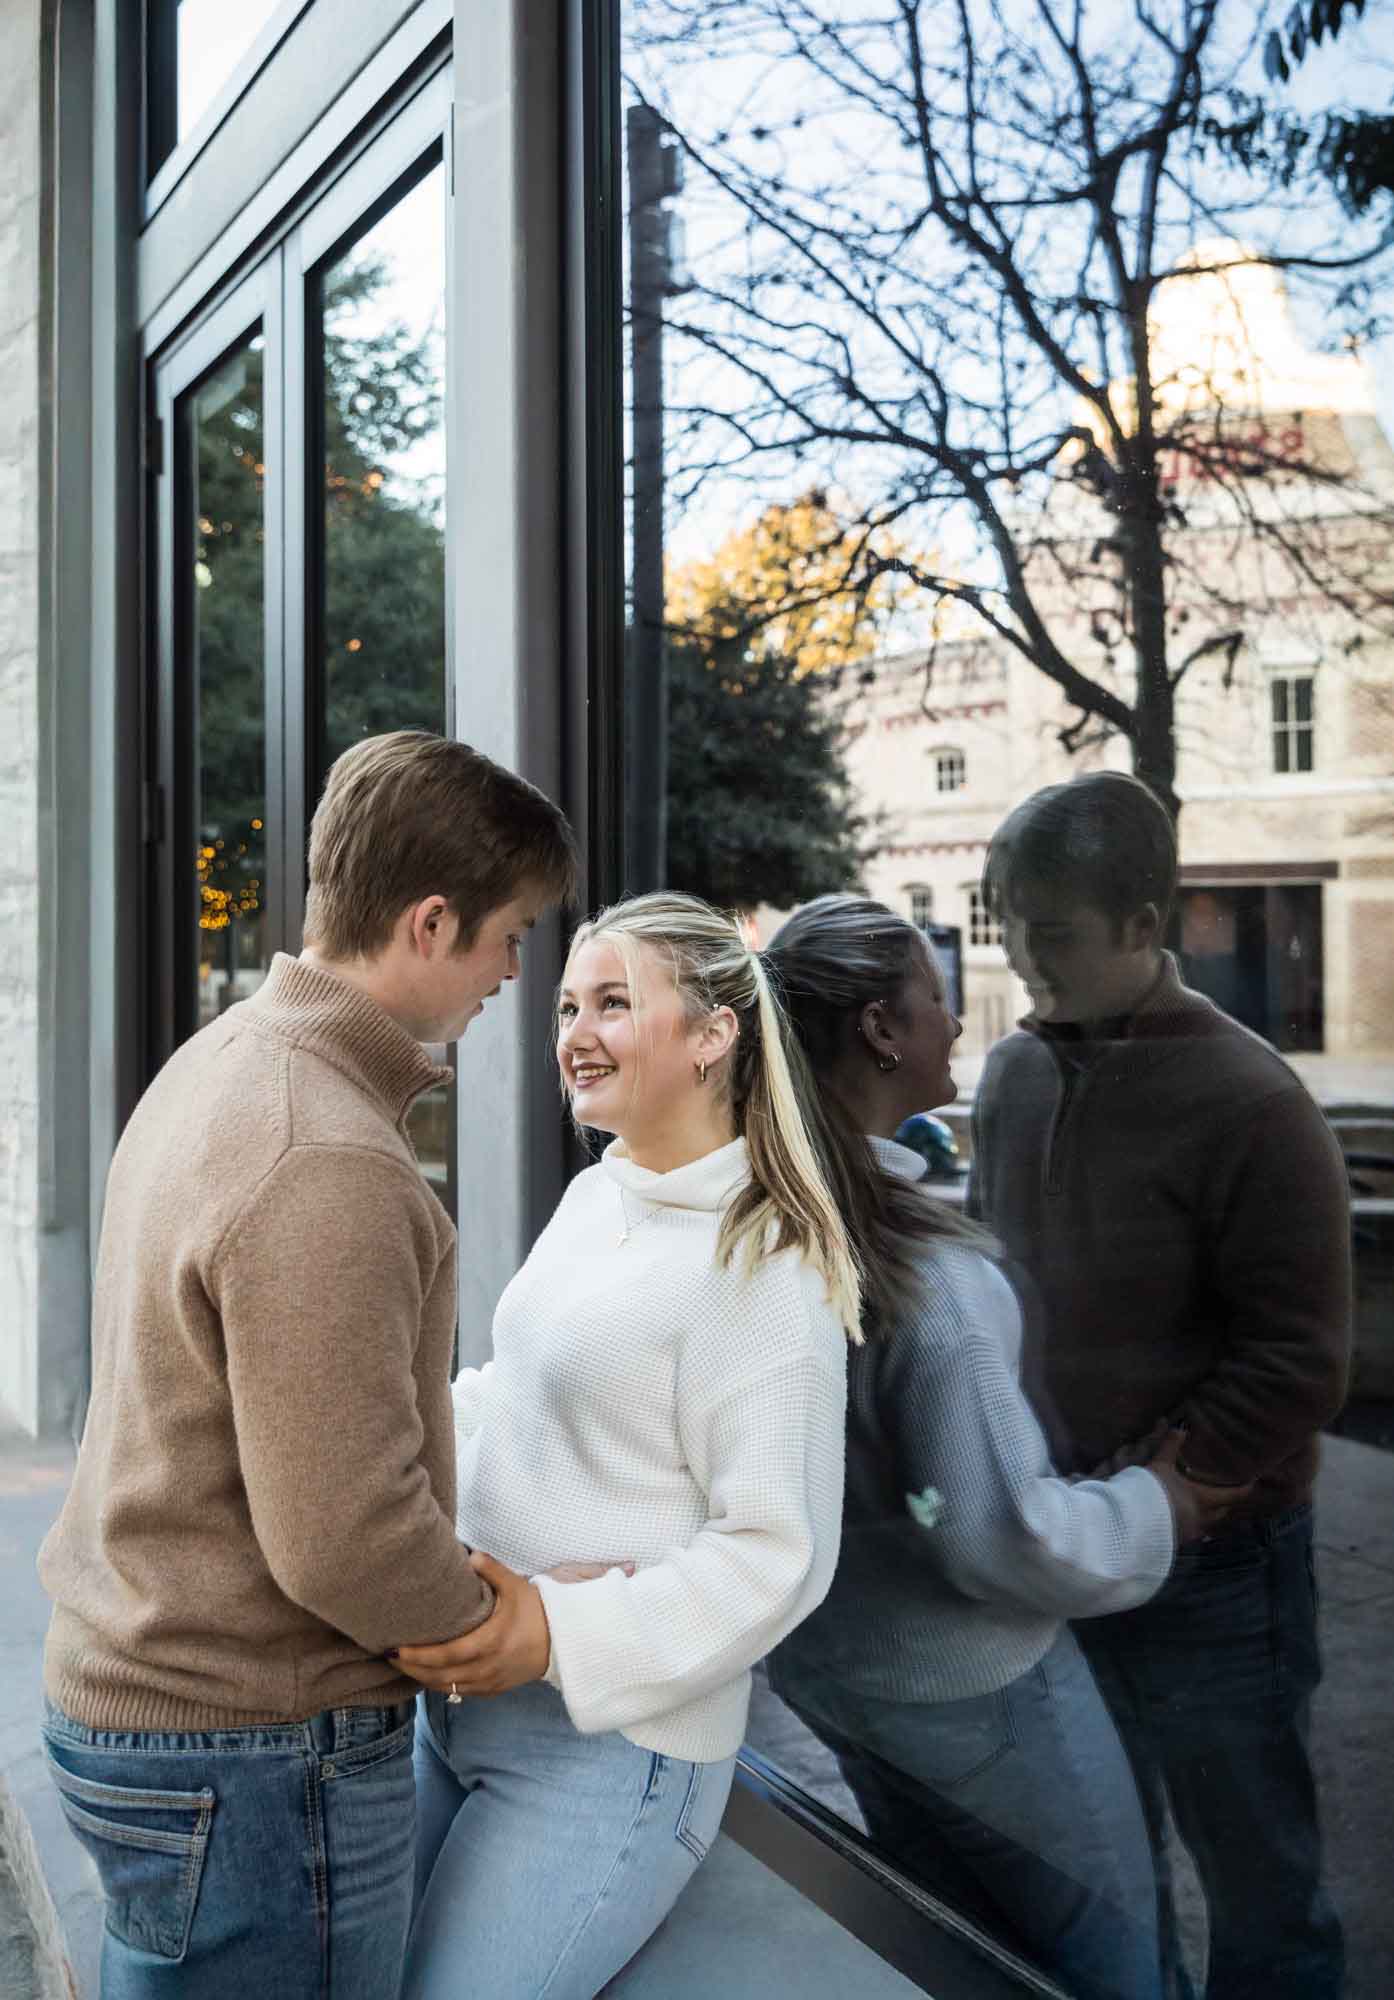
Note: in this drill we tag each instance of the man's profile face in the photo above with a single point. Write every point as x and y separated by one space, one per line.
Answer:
453 985
1077 961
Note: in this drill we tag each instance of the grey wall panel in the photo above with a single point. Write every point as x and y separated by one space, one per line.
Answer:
112 661
505 546
315 65
65 708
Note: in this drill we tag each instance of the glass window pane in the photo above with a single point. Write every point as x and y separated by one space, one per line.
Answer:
383 361
910 474
229 674
212 40
382 626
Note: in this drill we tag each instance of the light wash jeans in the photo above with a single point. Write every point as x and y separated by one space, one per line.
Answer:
545 1858
270 1863
1018 1807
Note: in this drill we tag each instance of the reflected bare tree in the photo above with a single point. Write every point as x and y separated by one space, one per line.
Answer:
930 239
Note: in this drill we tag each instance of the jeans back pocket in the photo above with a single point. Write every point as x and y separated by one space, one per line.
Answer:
149 1848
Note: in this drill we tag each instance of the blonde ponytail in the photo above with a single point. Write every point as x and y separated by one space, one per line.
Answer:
788 1199
787 1202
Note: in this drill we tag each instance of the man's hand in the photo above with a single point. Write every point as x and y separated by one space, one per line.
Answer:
1198 1509
511 1648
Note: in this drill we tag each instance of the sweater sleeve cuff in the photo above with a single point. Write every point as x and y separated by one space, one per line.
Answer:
550 1591
546 1586
1156 1526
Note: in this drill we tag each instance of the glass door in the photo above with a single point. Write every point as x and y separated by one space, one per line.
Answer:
216 805
300 575
366 293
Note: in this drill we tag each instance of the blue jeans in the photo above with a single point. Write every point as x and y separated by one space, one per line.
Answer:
274 1863
545 1858
1017 1808
1210 1685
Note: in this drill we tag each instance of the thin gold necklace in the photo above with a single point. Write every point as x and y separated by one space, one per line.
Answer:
630 1227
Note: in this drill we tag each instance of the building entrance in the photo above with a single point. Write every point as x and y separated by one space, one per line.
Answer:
1256 950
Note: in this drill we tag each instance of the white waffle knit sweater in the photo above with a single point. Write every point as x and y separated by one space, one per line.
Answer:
643 1403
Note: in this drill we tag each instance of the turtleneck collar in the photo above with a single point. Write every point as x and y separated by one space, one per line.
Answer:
313 1009
706 1184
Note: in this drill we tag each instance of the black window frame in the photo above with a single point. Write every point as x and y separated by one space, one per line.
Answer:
950 768
1290 732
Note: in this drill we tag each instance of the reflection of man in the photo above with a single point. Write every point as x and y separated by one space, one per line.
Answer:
1181 1205
264 1501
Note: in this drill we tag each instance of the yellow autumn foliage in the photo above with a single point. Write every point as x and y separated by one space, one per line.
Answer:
800 583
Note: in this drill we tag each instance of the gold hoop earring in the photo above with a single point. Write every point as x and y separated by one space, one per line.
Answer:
702 1070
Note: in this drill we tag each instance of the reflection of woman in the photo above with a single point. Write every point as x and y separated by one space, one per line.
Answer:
938 1667
668 1386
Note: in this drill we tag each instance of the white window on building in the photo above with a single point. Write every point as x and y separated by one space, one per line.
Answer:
983 926
949 770
1293 702
921 904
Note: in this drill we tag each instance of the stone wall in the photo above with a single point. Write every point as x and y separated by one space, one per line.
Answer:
19 708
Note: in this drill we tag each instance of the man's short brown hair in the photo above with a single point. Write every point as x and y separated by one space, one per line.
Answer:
1103 837
411 815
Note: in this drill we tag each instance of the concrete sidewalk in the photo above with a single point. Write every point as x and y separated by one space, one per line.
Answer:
1353 1728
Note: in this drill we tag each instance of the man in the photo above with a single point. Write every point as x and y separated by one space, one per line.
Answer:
264 1501
1181 1205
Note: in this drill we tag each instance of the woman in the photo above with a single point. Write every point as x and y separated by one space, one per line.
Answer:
938 1666
667 1387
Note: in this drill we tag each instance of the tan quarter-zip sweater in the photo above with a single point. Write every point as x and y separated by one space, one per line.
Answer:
264 1499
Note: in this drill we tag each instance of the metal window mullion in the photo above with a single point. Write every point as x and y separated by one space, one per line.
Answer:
302 570
273 521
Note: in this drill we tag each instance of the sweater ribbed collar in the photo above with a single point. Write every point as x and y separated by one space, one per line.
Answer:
313 1009
703 1185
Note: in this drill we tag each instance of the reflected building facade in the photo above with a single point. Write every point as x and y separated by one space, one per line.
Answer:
1285 716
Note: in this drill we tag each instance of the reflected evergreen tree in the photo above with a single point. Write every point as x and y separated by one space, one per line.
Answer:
759 805
229 642
384 548
383 616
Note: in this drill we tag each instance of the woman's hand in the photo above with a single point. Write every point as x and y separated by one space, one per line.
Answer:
1198 1509
511 1647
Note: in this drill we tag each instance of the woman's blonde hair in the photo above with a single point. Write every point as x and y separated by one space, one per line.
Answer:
787 1203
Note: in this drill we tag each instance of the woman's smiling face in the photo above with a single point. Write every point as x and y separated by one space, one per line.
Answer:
624 1055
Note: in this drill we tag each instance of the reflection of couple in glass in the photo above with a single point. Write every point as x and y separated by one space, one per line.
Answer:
1173 1206
266 1547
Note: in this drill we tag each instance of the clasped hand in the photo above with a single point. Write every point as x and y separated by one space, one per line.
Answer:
511 1647
1199 1509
